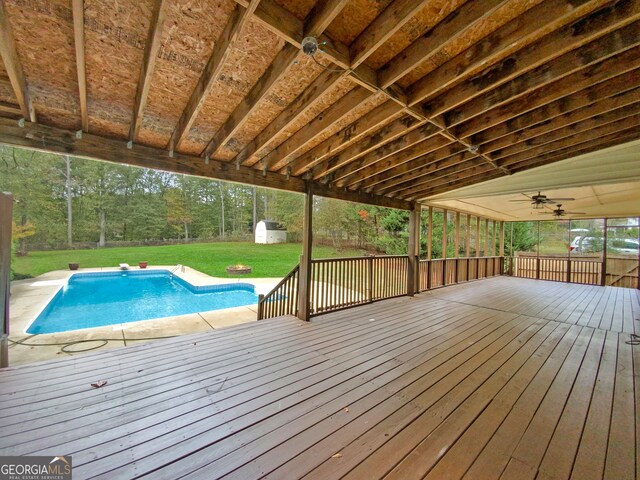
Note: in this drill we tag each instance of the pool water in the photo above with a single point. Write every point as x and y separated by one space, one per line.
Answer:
106 298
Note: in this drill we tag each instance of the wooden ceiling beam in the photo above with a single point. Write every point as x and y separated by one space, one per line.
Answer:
427 45
351 171
397 177
462 170
387 112
77 8
319 19
10 108
578 106
569 142
400 162
482 173
281 156
594 145
454 185
148 65
515 35
13 66
387 134
449 156
392 19
65 142
611 67
321 16
556 133
269 79
221 50
249 155
564 65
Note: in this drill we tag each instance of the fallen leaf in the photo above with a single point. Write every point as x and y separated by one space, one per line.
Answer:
346 409
337 455
99 383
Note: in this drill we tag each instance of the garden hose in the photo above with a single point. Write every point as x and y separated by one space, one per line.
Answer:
66 345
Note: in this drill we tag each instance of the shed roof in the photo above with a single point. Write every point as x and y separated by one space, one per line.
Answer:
271 225
406 99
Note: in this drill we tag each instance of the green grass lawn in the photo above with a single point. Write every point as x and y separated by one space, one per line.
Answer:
211 258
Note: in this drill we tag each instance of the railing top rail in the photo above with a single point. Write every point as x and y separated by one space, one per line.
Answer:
364 257
282 282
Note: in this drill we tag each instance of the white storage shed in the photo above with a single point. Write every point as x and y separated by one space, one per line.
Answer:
270 232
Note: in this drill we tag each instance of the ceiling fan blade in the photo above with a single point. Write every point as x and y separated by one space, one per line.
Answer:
528 201
554 200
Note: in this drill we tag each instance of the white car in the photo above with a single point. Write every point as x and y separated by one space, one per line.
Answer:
583 244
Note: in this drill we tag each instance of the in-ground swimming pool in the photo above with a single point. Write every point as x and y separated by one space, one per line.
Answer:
106 298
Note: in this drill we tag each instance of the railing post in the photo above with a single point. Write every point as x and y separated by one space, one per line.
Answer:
455 275
444 272
370 279
260 307
428 274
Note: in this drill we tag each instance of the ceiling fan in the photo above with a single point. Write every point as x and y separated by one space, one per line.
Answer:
539 200
560 212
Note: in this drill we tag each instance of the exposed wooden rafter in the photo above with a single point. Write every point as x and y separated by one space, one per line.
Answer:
13 66
454 25
523 30
221 50
318 20
277 158
392 19
78 40
148 65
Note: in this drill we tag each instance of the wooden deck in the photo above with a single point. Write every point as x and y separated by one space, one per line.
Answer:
500 378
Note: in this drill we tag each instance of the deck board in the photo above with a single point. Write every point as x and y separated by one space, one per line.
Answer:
499 378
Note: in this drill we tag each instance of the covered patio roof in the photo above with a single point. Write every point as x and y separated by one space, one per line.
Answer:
404 100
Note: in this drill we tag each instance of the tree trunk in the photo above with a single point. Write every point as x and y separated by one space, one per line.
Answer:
22 244
69 216
103 228
186 232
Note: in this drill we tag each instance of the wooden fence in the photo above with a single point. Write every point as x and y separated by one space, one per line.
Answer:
338 283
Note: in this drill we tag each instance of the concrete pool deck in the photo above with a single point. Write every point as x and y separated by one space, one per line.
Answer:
29 297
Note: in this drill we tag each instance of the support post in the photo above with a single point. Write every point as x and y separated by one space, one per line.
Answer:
501 249
603 277
457 237
444 233
487 250
413 285
477 237
6 207
494 237
304 287
638 277
467 249
430 233
568 279
538 253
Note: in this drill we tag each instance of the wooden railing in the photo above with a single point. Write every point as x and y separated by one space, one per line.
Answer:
575 270
338 283
283 299
443 272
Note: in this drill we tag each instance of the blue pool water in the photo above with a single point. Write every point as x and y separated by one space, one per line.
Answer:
106 298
